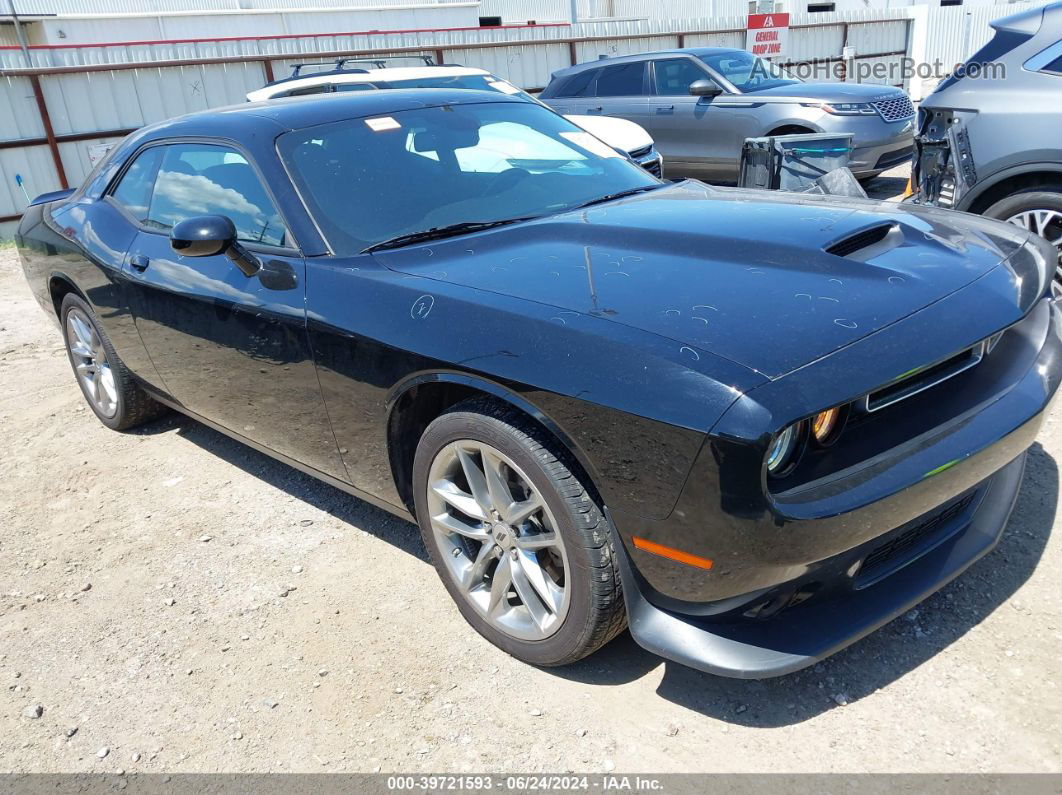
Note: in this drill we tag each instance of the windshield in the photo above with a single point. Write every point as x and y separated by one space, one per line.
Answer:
747 72
370 180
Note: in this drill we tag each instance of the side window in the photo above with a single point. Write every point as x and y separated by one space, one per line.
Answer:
134 190
673 77
578 85
622 80
202 179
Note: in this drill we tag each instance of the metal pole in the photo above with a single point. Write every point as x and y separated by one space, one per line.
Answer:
575 11
21 35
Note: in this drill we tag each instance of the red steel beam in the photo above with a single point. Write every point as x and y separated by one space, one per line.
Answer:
49 133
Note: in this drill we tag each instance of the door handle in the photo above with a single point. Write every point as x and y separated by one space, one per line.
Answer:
139 262
665 108
598 109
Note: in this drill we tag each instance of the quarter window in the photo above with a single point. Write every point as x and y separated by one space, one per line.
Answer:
134 190
673 77
202 179
622 80
578 85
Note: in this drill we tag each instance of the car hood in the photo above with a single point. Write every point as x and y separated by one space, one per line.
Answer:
617 133
741 274
830 92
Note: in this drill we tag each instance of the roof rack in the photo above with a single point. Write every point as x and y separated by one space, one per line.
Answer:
340 65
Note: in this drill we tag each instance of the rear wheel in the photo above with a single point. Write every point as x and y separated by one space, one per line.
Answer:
109 388
1038 211
518 540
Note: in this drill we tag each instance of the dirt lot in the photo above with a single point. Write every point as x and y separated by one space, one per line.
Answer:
174 601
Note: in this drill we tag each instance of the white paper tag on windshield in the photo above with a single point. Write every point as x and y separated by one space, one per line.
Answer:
382 123
590 144
503 87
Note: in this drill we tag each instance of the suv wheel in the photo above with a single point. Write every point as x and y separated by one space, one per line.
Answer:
518 540
1038 211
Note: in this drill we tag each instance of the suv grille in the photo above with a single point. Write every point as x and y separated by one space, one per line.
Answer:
899 107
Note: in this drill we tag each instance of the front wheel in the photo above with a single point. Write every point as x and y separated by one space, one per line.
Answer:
519 542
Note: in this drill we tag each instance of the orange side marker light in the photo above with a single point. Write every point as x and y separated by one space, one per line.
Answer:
672 554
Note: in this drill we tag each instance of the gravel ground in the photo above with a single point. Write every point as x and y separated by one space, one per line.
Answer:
173 601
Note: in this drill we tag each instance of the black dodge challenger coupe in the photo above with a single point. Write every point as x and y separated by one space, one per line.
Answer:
753 426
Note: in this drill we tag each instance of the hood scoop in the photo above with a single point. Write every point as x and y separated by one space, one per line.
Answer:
868 243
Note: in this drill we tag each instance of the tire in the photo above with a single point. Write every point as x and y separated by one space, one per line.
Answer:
1044 198
592 611
118 402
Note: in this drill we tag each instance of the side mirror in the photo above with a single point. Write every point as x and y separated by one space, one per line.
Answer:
705 88
210 235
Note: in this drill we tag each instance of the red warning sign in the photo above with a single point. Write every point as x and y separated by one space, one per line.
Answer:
767 34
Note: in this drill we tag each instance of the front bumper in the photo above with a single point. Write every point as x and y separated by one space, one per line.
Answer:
808 633
877 145
783 595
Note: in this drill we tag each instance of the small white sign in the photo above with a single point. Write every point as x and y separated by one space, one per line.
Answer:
381 123
96 152
767 34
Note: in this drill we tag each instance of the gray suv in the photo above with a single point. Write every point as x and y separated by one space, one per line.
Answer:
990 137
701 103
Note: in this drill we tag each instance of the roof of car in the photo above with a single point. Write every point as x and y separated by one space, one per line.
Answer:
642 56
362 75
292 113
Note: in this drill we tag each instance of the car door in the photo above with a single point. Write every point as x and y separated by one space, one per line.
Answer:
229 347
696 135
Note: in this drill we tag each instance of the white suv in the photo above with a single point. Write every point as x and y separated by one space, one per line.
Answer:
622 135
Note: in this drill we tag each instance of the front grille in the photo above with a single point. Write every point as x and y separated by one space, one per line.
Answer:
908 542
654 168
636 153
895 108
911 384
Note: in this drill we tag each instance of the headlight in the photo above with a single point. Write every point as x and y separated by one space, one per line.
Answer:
782 453
844 108
825 425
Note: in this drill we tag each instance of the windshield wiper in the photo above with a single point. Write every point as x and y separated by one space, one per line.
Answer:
439 232
611 196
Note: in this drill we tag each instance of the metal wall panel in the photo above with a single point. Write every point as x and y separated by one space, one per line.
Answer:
34 165
955 33
527 67
77 7
18 111
518 12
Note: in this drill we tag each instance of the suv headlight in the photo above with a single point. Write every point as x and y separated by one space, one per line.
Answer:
843 108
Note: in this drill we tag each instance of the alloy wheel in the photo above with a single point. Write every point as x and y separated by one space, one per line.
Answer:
498 540
1045 223
90 363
